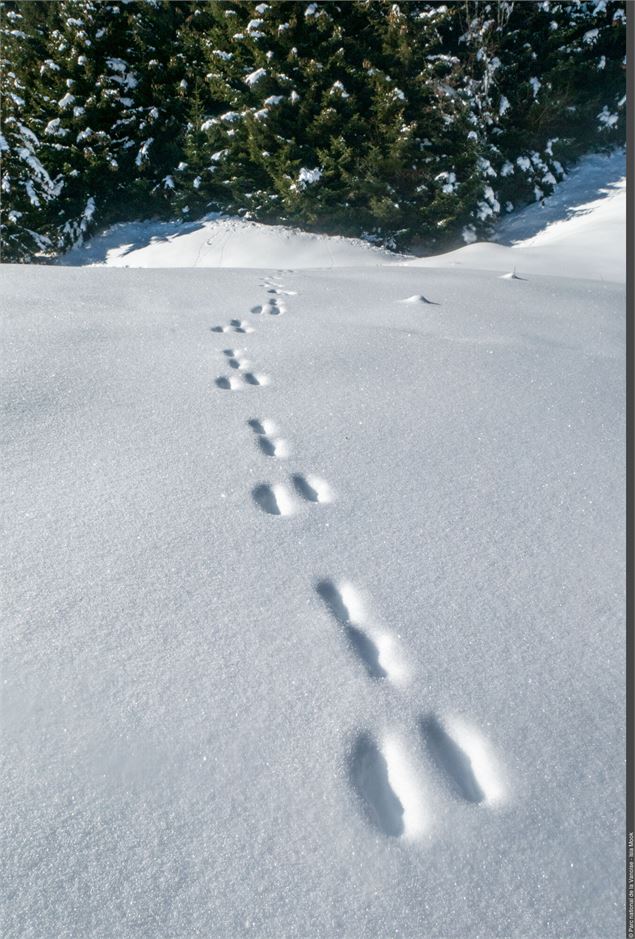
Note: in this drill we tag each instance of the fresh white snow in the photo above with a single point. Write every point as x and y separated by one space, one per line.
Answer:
579 231
216 241
313 623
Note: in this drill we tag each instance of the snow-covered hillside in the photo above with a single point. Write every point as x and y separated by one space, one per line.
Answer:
314 601
217 241
579 231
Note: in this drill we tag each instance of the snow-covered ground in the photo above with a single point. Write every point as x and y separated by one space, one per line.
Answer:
579 231
584 220
218 241
314 603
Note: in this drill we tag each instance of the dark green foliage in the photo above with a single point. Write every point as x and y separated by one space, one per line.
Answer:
410 124
334 119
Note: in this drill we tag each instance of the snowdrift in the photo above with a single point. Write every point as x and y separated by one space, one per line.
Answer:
216 241
579 231
569 235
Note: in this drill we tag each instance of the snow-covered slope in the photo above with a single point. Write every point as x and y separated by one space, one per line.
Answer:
314 604
217 241
579 231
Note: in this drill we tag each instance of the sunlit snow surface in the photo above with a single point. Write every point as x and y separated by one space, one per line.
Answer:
578 231
313 623
371 689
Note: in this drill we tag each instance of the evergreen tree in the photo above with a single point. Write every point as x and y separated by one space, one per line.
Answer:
166 64
336 118
88 88
28 191
409 123
544 82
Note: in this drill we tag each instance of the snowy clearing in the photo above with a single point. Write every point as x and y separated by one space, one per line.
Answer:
333 653
314 610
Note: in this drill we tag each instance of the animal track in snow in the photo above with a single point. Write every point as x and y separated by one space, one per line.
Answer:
241 327
238 382
268 443
312 488
282 494
274 447
252 379
369 778
271 307
240 364
229 383
262 427
374 649
465 759
236 326
384 782
275 500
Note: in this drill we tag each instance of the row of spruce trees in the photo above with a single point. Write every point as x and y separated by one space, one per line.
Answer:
410 124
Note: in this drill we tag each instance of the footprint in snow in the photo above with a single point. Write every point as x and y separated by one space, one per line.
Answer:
373 649
312 488
262 427
238 382
241 327
274 447
464 758
369 778
278 499
268 441
383 778
229 383
275 500
237 363
272 308
236 326
256 379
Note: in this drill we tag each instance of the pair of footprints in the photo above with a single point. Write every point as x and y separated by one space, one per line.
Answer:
381 771
235 326
278 499
274 305
242 374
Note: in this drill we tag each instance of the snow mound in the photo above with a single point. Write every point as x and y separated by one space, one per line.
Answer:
217 241
418 298
579 231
